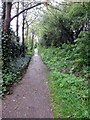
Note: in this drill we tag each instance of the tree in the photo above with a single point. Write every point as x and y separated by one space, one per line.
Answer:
7 19
7 14
23 25
32 44
17 26
63 25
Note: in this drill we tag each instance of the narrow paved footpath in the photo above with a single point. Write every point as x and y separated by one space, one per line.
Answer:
31 96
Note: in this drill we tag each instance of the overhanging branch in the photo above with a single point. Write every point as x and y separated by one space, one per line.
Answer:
27 9
38 4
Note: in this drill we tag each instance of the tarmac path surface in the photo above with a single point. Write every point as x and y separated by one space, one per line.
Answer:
31 97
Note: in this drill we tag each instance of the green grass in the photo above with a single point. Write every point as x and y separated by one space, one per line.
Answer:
69 95
67 82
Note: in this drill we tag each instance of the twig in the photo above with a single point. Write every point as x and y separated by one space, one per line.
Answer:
71 115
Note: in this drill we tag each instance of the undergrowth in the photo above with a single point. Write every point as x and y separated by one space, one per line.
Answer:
68 82
15 57
15 71
69 95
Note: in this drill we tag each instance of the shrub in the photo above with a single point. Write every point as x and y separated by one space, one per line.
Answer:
15 71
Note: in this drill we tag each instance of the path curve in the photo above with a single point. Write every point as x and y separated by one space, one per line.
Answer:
31 96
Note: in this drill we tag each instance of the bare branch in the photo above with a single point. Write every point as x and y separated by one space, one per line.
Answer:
14 3
38 4
27 9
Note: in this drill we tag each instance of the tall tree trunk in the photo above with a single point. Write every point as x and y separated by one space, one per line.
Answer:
7 16
23 23
17 26
27 30
32 44
3 14
6 42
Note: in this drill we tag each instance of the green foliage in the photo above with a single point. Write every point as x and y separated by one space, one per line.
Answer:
36 45
28 45
56 58
67 81
1 81
76 14
75 57
30 52
68 30
69 95
15 71
10 48
49 33
83 47
57 27
13 62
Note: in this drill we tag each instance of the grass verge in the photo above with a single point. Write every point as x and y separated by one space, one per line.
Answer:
68 84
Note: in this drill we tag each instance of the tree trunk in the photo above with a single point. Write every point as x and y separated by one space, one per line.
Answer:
7 16
32 44
68 33
17 26
3 14
6 42
23 23
27 30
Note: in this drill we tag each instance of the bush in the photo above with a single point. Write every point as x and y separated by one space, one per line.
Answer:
15 71
67 82
83 47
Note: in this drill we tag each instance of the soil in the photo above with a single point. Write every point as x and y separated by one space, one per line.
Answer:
31 97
